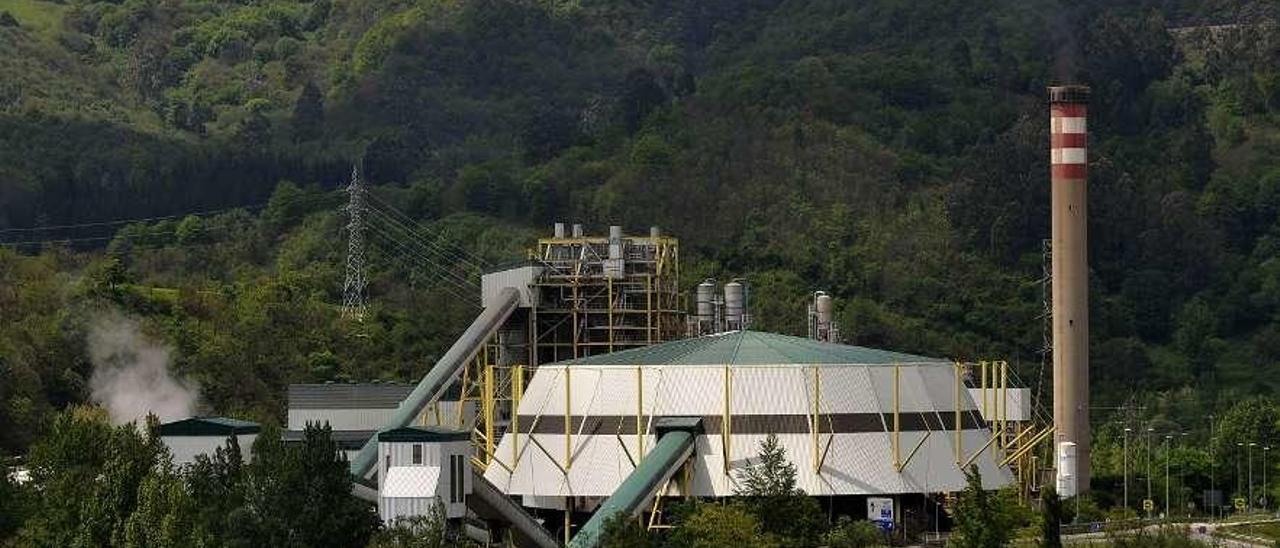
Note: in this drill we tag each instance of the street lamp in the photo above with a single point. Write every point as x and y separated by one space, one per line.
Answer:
1167 437
1213 466
1150 430
1182 478
1265 449
1250 457
1239 475
1126 468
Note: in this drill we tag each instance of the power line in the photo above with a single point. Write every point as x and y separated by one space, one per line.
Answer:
259 205
151 234
420 229
414 241
420 232
454 278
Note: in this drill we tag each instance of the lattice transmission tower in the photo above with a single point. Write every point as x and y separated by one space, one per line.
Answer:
353 289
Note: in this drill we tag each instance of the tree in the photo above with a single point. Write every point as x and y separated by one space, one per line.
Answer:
13 505
979 522
851 533
308 113
217 483
300 494
767 487
710 525
623 531
167 515
1051 520
429 531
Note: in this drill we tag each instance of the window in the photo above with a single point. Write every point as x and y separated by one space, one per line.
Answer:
387 467
417 453
456 469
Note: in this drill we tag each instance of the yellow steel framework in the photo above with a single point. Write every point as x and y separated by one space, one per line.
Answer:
583 307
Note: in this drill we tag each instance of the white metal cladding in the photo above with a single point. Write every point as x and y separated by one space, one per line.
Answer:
341 419
855 463
1018 401
410 482
847 390
377 418
185 448
392 509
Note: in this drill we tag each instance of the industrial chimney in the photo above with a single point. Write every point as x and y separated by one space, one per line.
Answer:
1068 138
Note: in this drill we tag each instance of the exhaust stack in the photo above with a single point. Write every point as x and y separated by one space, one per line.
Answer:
1068 137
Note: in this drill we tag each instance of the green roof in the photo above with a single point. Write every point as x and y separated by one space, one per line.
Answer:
424 434
208 426
751 348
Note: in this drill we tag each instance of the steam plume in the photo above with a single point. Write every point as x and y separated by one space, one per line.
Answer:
131 375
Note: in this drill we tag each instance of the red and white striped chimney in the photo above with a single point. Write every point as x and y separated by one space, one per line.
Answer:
1068 147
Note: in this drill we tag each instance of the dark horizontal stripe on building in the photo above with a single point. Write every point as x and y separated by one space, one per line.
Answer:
828 423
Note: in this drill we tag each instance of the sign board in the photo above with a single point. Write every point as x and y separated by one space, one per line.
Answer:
1240 503
880 512
1148 505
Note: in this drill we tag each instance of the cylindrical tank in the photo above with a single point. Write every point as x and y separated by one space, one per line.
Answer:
577 230
1067 477
559 230
734 304
613 266
823 305
705 301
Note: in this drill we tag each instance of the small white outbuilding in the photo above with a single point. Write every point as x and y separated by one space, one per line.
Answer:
421 466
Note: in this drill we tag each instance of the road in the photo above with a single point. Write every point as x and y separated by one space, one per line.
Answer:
1201 531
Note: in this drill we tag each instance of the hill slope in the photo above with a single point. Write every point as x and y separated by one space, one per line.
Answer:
891 152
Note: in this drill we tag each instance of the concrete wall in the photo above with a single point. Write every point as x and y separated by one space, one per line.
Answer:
185 448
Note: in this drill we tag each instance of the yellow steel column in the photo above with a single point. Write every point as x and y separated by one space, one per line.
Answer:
897 423
568 423
487 405
726 428
648 306
517 394
609 310
817 401
1004 402
985 413
959 384
640 413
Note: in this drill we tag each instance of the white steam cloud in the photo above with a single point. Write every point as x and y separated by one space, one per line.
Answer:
131 375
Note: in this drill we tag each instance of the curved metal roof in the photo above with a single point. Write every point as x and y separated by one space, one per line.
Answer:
751 348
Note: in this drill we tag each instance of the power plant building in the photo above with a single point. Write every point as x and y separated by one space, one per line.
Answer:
855 421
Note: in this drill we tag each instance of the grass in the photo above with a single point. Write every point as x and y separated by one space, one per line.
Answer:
43 17
1269 531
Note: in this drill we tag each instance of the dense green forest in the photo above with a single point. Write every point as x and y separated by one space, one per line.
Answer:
889 151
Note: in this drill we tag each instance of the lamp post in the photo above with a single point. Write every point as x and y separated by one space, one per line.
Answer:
1239 475
1150 430
1250 457
1265 503
1167 437
1213 467
1126 468
1182 478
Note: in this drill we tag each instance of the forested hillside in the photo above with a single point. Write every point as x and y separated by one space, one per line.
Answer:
892 152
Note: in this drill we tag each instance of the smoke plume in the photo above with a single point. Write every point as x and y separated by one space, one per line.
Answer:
1066 49
131 375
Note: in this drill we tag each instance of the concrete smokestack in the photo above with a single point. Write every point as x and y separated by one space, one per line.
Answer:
1068 140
